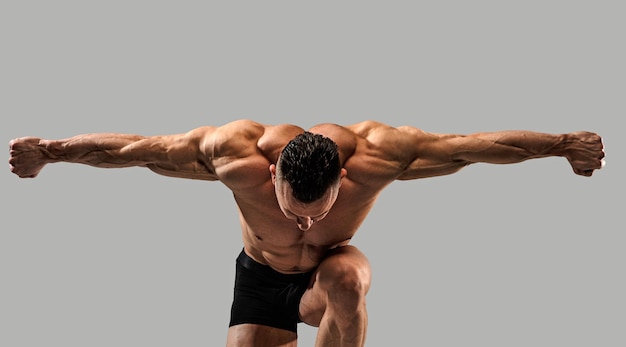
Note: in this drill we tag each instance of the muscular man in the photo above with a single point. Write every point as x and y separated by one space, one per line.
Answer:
302 195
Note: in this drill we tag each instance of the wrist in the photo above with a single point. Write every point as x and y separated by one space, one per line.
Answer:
51 150
559 148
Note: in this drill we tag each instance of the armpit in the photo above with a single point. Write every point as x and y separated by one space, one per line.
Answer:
192 171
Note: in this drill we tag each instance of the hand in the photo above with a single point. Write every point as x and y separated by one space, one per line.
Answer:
585 152
27 157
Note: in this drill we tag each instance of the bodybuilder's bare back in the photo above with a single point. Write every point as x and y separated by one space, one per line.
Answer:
268 236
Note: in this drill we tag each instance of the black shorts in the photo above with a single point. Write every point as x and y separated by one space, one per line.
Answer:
265 296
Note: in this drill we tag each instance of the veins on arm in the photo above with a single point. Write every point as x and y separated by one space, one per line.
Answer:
442 154
170 155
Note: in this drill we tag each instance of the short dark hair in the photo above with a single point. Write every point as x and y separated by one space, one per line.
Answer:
310 163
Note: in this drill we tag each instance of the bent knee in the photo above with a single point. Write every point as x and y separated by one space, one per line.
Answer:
345 272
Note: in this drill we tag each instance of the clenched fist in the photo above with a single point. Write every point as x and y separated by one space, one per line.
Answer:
585 152
27 156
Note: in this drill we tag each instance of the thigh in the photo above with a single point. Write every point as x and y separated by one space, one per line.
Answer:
345 263
265 297
254 335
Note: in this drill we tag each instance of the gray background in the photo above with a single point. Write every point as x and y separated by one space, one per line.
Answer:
520 255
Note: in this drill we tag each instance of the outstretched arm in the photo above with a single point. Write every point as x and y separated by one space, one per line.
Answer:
182 155
434 154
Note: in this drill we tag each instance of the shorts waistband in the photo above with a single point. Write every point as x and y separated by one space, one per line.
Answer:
247 262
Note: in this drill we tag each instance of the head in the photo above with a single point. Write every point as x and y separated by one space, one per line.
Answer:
307 178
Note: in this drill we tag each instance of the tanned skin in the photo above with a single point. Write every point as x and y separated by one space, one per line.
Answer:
295 237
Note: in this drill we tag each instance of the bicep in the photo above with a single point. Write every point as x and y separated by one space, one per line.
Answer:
179 155
431 154
406 152
208 152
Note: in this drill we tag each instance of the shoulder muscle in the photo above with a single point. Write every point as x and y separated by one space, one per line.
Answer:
236 139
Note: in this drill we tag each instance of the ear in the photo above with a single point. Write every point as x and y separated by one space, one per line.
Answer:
273 173
342 174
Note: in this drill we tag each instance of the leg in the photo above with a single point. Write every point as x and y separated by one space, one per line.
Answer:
253 335
335 301
265 306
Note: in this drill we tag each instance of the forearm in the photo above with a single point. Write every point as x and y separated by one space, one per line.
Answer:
447 153
177 155
172 155
506 147
100 150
